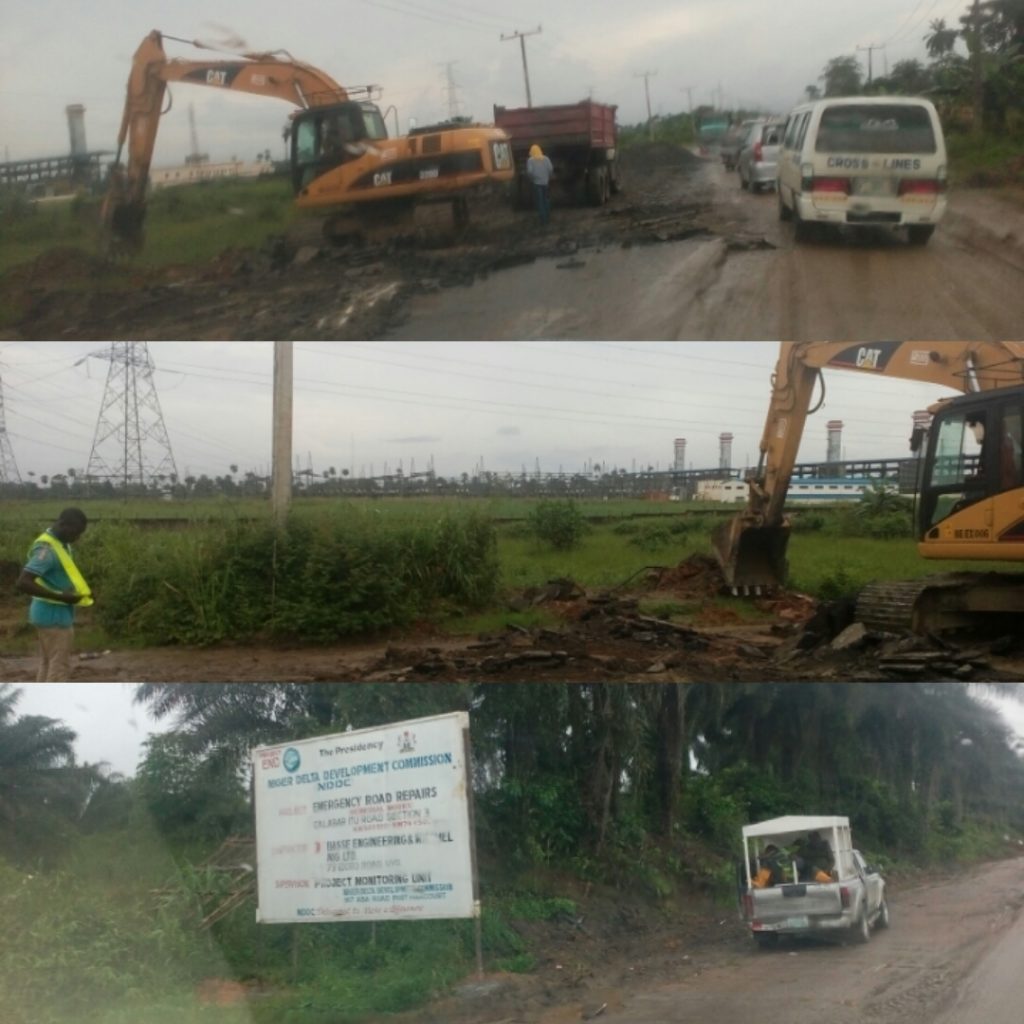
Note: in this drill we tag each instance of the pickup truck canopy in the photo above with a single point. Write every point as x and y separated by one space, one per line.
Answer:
793 825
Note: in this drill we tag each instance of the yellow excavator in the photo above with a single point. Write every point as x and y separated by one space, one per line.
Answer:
970 492
343 164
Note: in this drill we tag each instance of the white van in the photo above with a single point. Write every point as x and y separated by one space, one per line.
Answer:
864 161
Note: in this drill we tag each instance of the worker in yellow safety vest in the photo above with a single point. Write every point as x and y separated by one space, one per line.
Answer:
55 584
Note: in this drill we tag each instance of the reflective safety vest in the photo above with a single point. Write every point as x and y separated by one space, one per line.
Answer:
68 565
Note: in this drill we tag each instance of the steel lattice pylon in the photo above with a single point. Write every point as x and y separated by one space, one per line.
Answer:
130 445
8 466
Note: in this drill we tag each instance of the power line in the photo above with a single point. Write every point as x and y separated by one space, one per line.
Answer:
429 14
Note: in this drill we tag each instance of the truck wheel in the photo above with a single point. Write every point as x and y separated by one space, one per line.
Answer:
882 921
766 940
861 929
918 234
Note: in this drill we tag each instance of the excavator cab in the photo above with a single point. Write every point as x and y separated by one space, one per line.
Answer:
324 137
973 460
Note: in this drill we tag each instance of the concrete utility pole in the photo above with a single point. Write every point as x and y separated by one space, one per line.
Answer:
646 76
871 49
281 468
521 36
688 89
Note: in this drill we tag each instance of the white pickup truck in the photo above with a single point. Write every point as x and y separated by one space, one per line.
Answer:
783 892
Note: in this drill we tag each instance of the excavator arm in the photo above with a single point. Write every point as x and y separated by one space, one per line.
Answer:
751 548
264 74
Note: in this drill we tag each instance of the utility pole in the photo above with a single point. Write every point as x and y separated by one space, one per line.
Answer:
281 466
646 76
871 49
688 89
521 36
130 443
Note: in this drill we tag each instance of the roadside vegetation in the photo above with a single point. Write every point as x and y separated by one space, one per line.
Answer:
205 572
589 799
185 225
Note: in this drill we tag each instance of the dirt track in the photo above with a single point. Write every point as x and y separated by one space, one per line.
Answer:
682 253
949 954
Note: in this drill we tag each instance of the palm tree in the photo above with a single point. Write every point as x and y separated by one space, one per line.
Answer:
940 39
42 790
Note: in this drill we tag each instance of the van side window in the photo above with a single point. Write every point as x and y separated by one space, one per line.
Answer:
790 138
802 130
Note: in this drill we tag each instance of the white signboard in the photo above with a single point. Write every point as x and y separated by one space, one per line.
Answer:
369 825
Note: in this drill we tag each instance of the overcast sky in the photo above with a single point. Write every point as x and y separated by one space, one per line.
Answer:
372 406
760 53
112 728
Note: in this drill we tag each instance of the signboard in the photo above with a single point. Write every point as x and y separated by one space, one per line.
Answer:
369 825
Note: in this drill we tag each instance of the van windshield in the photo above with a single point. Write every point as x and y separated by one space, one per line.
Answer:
895 128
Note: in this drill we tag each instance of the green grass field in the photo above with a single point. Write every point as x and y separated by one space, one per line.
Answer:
189 225
205 574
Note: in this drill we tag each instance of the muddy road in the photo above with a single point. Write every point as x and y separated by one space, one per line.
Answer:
951 956
682 253
746 277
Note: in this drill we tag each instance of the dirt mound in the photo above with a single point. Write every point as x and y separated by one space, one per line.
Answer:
698 577
647 156
61 265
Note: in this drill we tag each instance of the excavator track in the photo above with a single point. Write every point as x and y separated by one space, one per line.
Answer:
977 602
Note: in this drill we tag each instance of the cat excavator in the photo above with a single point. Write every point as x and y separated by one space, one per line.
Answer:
343 164
969 503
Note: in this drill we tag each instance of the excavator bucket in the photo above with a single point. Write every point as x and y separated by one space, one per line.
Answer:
121 218
752 557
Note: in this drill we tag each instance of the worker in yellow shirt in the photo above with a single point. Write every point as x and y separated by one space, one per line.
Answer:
55 584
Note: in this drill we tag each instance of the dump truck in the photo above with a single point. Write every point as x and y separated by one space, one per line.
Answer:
800 875
581 140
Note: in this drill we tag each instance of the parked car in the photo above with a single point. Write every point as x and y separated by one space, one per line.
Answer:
759 155
732 141
864 161
800 875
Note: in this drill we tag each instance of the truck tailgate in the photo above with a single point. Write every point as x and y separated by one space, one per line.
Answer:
783 904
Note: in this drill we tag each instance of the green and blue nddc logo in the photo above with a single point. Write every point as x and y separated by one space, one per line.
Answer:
291 760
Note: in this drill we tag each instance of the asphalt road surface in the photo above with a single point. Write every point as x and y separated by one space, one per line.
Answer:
749 279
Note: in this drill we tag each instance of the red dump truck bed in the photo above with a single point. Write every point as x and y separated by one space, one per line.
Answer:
569 124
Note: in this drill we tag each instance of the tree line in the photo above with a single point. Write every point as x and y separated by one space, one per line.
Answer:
563 774
976 65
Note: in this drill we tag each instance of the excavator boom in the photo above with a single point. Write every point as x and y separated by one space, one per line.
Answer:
751 548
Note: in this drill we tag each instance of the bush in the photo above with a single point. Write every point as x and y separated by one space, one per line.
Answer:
336 577
558 523
838 583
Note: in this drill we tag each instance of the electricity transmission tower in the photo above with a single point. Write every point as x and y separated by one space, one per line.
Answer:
8 467
130 445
